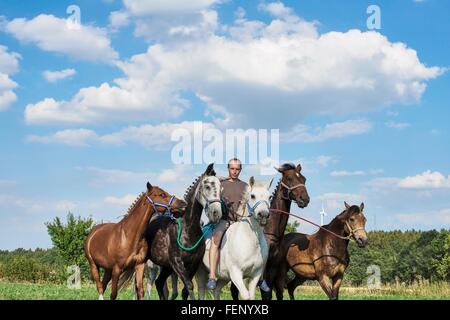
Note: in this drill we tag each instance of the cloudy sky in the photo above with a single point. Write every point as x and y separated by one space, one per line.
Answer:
87 110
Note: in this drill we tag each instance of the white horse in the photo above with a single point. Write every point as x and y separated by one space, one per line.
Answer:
243 250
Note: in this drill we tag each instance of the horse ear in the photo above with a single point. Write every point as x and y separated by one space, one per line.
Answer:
210 170
361 207
346 205
299 168
251 182
149 187
279 169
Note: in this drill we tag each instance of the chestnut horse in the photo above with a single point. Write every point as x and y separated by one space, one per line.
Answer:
121 246
322 256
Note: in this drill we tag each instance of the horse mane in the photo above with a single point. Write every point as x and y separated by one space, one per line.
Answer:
133 205
191 190
344 214
276 189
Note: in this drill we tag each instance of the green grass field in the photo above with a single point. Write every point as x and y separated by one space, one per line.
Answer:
29 291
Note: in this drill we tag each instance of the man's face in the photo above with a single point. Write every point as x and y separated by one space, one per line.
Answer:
234 169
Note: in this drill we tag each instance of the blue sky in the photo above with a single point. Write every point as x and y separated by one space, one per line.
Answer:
86 114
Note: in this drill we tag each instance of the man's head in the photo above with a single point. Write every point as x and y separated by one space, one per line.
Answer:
234 168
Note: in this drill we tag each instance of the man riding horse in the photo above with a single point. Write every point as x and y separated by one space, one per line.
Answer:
232 190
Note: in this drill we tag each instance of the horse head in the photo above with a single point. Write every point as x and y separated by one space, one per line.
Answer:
355 223
293 184
208 194
258 203
164 202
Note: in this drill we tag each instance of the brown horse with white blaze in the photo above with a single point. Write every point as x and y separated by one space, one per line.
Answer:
121 246
322 256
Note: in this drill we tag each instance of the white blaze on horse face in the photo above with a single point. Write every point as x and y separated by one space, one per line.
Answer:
210 198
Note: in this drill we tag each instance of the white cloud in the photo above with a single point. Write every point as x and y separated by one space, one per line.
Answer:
164 20
9 65
303 133
434 218
335 201
284 64
172 175
150 7
150 136
121 201
345 173
53 34
54 76
324 160
397 125
425 180
78 138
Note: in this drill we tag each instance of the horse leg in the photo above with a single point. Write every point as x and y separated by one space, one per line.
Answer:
280 281
253 284
218 289
327 286
337 281
162 278
139 280
152 273
186 278
237 278
234 292
292 285
201 276
96 276
115 279
106 278
174 278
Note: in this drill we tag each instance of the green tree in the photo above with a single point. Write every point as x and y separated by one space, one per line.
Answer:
292 227
68 239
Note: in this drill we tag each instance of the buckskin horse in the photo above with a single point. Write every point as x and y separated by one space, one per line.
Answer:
243 250
178 246
291 187
322 256
117 247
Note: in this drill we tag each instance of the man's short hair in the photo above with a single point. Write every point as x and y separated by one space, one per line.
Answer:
237 160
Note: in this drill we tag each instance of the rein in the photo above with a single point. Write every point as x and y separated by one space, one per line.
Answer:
349 237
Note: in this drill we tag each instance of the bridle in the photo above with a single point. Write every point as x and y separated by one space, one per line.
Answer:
168 206
351 235
289 189
251 210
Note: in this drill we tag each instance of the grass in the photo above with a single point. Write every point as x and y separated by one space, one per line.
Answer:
417 291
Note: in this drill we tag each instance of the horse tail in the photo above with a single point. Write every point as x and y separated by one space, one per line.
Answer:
125 278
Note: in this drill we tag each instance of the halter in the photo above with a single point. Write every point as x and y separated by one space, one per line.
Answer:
352 232
251 209
289 189
167 212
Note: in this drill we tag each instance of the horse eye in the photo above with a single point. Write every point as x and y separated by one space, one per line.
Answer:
253 196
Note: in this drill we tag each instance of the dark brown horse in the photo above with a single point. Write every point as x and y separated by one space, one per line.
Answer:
291 187
165 250
322 256
161 234
121 246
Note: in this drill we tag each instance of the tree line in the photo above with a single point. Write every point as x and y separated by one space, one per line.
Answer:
401 256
